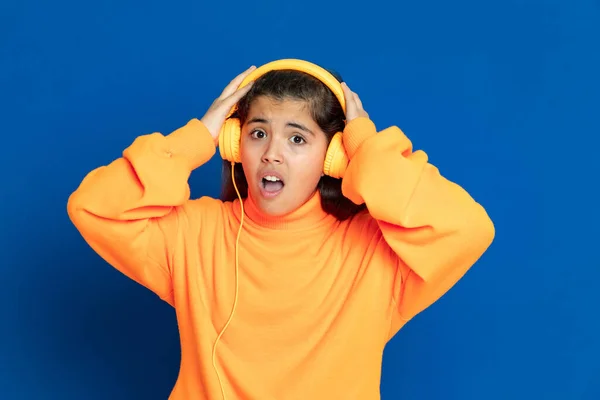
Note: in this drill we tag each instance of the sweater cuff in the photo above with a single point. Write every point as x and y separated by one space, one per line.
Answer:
194 142
356 132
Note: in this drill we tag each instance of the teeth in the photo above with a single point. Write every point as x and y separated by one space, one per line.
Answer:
271 178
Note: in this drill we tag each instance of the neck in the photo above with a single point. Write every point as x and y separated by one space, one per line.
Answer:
307 216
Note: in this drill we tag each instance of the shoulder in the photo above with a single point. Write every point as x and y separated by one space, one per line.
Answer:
363 245
205 203
360 231
205 211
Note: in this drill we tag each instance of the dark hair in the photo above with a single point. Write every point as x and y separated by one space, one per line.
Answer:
326 111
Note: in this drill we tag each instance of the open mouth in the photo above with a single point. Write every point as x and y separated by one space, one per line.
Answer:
271 185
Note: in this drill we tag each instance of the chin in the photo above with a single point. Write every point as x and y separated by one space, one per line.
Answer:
279 205
274 207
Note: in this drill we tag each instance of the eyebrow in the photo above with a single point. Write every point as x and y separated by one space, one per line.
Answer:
290 124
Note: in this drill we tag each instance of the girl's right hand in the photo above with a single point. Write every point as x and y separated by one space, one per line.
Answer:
220 108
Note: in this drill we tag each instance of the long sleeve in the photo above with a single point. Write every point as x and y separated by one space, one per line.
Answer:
436 230
129 211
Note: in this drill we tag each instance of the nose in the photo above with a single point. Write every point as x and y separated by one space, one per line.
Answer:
273 152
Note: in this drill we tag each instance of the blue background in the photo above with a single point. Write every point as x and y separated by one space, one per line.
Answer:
503 96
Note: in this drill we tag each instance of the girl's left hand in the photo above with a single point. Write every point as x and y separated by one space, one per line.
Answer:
354 107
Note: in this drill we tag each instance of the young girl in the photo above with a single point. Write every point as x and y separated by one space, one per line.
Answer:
329 237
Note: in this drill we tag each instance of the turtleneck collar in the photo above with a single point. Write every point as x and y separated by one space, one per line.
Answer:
307 216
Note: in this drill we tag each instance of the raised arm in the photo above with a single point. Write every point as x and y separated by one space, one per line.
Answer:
130 210
434 227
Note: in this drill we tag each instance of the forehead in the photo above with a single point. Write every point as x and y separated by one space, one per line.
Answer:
268 106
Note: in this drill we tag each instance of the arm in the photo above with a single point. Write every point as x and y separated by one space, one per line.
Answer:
433 226
129 211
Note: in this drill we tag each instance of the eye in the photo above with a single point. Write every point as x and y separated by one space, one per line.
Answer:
257 134
297 139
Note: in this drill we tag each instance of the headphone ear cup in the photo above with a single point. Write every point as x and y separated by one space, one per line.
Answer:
336 159
229 140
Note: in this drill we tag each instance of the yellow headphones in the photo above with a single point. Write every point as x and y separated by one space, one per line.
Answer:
336 159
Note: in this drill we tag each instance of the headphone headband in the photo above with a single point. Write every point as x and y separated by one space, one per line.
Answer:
303 66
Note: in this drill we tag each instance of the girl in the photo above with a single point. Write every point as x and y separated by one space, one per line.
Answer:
329 237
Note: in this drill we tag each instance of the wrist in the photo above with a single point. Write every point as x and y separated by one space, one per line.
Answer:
356 132
194 142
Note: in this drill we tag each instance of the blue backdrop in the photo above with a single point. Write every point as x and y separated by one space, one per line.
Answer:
504 97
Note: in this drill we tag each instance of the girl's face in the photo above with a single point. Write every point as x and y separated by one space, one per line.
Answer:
282 151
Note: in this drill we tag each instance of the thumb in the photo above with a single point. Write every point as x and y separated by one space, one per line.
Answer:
351 107
236 96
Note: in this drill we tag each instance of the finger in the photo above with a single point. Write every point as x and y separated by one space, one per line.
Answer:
353 95
359 108
235 83
346 89
225 106
357 101
350 101
237 95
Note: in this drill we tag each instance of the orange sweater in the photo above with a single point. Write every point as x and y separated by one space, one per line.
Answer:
318 299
